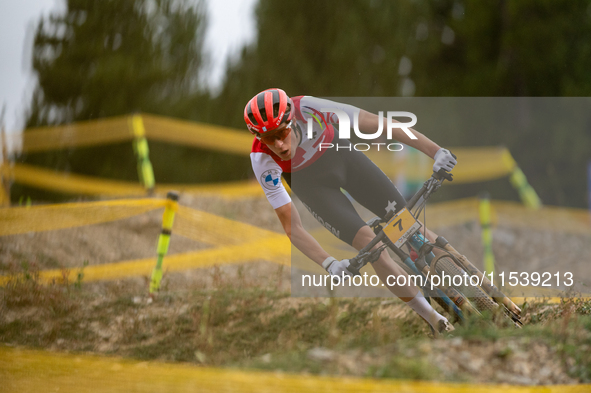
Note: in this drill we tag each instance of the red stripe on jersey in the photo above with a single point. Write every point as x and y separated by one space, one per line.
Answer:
260 147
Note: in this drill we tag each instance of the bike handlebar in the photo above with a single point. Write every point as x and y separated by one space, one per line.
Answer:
443 174
439 176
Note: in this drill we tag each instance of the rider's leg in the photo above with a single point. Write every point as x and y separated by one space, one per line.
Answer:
410 294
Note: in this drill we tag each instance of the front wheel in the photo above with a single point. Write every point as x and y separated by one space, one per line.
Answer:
447 269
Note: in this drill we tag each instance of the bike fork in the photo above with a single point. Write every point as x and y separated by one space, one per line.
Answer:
405 258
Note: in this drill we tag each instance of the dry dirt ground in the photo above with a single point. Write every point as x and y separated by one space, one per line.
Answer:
116 317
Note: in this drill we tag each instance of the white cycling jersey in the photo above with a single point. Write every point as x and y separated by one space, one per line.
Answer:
268 167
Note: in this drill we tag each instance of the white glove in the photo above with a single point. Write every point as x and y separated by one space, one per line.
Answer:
444 159
336 268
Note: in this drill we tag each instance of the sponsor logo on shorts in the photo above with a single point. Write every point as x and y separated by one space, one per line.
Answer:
325 224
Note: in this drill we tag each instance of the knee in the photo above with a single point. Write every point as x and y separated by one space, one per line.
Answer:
364 235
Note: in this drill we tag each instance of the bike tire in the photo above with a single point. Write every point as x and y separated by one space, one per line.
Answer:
475 294
454 317
432 295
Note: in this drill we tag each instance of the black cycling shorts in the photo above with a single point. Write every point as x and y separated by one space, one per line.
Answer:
319 188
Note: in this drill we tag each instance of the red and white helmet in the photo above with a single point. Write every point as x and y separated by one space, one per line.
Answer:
266 111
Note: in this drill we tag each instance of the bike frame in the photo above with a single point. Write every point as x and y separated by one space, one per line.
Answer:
365 254
423 264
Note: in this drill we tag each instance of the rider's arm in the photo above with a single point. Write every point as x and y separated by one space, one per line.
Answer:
300 238
369 122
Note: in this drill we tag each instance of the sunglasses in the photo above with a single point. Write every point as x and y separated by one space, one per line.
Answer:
278 135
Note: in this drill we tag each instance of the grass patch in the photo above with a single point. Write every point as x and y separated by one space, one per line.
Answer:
22 332
565 327
229 326
264 328
42 313
402 367
24 288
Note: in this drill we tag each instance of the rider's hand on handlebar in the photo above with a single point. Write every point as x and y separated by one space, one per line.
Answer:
336 268
444 159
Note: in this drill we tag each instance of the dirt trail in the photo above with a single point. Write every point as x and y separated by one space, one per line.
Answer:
113 313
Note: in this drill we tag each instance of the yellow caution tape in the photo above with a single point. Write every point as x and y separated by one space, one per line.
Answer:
511 214
88 185
137 126
474 164
87 133
201 135
215 230
275 249
241 242
32 371
228 190
24 219
71 183
560 219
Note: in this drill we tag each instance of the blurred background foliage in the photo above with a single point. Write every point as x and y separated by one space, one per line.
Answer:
105 57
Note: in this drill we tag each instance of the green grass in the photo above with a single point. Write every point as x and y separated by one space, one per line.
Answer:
565 327
403 367
23 332
24 288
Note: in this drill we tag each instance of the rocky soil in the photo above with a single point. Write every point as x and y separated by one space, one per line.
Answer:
124 309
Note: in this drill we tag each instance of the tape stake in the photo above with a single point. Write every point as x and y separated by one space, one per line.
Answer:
164 240
4 186
142 152
4 172
484 210
528 195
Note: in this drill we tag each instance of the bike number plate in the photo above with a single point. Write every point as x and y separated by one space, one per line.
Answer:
402 226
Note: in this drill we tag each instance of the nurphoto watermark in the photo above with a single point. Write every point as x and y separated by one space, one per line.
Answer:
345 130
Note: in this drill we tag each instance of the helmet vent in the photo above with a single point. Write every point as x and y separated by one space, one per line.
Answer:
261 106
267 111
251 117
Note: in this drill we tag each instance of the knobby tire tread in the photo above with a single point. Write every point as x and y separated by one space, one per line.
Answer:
476 295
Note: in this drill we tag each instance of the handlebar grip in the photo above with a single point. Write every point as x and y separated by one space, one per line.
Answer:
443 174
354 267
353 271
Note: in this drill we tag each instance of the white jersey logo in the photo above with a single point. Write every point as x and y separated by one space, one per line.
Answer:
271 179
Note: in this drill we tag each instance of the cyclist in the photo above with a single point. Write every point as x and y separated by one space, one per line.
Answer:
316 174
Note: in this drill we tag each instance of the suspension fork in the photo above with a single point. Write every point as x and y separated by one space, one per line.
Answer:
450 296
488 286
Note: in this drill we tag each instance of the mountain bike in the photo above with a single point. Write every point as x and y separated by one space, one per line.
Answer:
446 275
